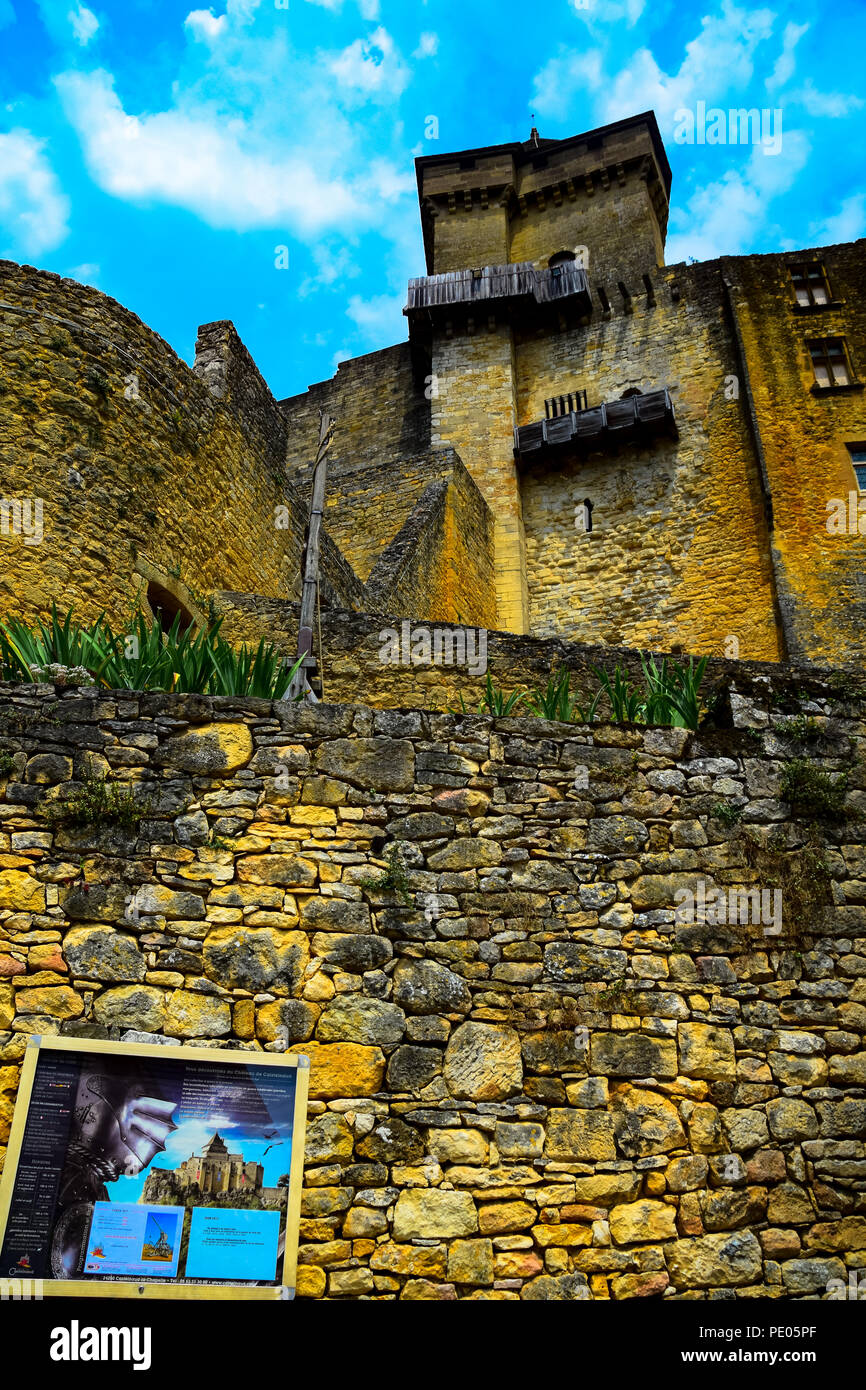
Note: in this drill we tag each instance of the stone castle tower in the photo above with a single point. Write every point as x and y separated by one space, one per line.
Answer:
658 448
215 1169
514 235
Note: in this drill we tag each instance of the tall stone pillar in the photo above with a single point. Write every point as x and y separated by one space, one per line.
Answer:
473 412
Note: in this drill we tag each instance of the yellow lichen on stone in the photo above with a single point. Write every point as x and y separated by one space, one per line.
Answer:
343 1069
21 892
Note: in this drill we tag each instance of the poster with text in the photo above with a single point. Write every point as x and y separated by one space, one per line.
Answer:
149 1165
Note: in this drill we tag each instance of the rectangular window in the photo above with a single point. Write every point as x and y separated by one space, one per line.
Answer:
829 362
810 285
858 463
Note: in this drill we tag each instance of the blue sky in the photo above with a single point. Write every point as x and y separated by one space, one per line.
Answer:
164 152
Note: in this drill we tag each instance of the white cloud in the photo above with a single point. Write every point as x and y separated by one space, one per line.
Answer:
824 103
814 102
87 274
387 181
719 58
372 67
428 46
259 134
777 174
609 11
84 24
67 21
34 210
380 319
786 62
848 224
205 25
720 219
228 172
724 218
242 11
718 68
369 8
334 264
565 79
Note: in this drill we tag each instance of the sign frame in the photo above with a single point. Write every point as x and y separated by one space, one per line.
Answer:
135 1289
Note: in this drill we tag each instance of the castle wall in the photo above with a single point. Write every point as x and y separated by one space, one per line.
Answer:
525 202
529 1081
616 223
605 191
474 414
148 471
133 456
440 565
472 236
465 202
352 647
375 474
804 433
676 524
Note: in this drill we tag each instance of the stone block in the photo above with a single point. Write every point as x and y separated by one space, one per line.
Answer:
580 1135
344 1069
433 1213
483 1062
645 1220
707 1052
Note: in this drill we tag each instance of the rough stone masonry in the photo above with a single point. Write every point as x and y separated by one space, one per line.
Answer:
529 1080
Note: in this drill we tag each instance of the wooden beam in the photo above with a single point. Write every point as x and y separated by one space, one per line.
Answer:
310 561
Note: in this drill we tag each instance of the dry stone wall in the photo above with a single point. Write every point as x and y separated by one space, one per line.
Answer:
529 1081
352 647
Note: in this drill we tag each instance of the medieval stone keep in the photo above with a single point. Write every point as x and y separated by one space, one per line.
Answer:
576 440
585 1002
215 1169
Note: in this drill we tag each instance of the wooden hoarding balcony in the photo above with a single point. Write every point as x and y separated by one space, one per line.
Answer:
635 417
521 281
